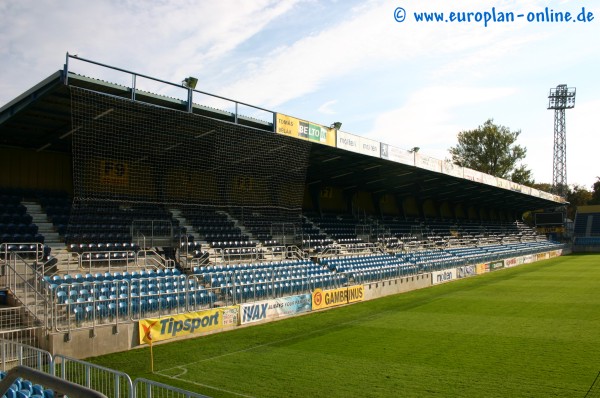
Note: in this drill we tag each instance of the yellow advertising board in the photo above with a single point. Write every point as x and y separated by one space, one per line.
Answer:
308 131
330 298
482 268
113 172
550 230
170 327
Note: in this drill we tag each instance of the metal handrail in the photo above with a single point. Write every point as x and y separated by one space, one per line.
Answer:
189 90
37 288
52 382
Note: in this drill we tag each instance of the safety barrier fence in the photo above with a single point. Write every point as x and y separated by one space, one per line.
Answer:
65 370
69 306
144 388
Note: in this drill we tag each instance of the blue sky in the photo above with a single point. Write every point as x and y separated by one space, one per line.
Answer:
407 84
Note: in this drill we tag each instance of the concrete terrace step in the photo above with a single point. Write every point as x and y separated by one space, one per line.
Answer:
40 218
183 222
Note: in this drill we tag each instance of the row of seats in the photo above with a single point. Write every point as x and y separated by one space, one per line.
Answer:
22 388
371 267
105 308
101 297
260 290
22 238
67 279
587 240
15 216
232 244
103 247
252 266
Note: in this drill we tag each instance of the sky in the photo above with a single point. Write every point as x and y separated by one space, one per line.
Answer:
408 84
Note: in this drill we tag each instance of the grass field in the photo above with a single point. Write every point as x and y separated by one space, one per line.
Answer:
529 331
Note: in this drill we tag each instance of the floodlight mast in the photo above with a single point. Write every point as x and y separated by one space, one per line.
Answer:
560 99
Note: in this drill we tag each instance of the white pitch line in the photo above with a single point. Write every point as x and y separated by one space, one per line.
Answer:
207 386
274 342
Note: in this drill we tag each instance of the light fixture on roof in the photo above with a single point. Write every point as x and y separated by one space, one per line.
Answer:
190 82
415 149
336 125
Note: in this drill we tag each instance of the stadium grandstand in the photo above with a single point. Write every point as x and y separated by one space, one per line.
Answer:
586 229
149 200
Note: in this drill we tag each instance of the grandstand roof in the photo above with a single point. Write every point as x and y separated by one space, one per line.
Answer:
40 119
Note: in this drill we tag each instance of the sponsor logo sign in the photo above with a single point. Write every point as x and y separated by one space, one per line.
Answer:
369 147
528 259
113 172
473 175
297 128
494 265
512 262
452 169
170 327
438 277
398 155
330 298
466 271
482 268
427 162
276 308
554 253
489 180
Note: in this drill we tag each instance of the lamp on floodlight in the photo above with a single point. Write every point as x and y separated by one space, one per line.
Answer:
190 82
336 125
415 150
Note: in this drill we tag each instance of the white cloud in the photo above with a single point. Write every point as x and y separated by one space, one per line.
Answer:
327 109
167 39
427 119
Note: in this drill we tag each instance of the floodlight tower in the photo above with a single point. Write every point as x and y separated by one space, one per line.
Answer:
560 98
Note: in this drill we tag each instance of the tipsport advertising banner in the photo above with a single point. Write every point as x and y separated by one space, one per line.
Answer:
277 308
297 128
170 327
331 298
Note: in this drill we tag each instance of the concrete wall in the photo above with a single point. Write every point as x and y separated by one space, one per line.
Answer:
376 290
87 343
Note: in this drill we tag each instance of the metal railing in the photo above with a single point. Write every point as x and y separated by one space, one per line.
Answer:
110 259
27 286
88 304
59 387
77 378
144 388
191 94
13 353
152 233
109 382
32 249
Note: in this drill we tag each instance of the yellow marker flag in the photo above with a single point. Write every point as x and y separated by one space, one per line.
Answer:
148 339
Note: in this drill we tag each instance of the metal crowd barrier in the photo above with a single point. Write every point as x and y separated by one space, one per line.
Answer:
77 378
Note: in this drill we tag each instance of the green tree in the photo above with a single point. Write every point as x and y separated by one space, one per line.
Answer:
596 193
542 186
491 149
577 195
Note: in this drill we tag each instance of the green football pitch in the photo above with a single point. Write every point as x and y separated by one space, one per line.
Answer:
529 331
